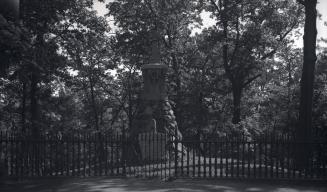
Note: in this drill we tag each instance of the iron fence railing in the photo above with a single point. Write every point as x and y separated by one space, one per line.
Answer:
159 155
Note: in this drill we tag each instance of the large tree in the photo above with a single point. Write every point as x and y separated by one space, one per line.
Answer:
251 32
43 52
32 60
83 38
304 133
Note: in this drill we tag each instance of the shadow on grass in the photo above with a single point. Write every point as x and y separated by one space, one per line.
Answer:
124 185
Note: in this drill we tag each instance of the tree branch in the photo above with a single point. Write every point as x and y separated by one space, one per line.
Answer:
216 6
271 53
301 2
251 79
236 41
281 38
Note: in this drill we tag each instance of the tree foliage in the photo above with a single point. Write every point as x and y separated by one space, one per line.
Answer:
65 69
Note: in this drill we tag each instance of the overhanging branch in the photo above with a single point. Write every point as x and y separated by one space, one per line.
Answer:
215 5
251 79
301 2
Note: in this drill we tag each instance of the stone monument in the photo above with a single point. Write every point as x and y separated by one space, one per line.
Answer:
154 92
155 114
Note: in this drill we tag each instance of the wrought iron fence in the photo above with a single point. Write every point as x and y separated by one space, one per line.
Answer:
158 155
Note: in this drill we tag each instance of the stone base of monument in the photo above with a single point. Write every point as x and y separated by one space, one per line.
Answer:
152 146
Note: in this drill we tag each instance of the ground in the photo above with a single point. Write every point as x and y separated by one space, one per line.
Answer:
155 185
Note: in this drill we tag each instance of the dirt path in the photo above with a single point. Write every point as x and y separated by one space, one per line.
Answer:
154 185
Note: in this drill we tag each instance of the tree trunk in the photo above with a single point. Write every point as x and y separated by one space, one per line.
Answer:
95 111
289 98
34 105
236 85
23 110
305 117
130 109
237 95
130 100
200 113
178 89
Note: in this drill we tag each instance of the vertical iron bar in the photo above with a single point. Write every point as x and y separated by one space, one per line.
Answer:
44 144
249 158
100 153
95 154
277 155
106 154
165 154
254 157
158 154
243 155
153 154
199 158
288 157
56 142
182 159
11 141
117 154
215 153
205 143
176 153
193 158
22 153
226 158
89 153
260 156
210 156
73 155
188 159
161 153
50 141
143 138
84 154
111 155
150 155
7 155
79 154
62 152
271 157
324 161
17 141
231 156
67 155
238 156
266 156
282 156
221 157
169 154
